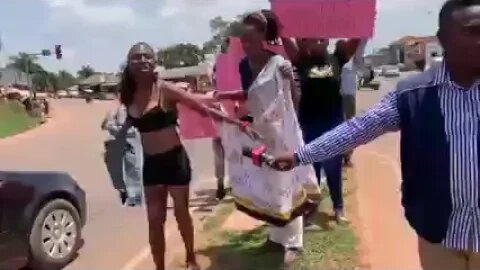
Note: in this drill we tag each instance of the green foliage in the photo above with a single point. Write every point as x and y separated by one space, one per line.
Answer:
14 119
85 72
180 55
41 78
22 60
221 30
65 79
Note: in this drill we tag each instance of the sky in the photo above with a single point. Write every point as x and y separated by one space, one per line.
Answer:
99 32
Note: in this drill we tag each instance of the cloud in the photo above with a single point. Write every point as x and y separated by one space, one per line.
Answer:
171 8
194 9
68 53
88 13
392 5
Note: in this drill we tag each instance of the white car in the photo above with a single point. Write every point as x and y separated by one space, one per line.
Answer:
62 94
73 93
390 71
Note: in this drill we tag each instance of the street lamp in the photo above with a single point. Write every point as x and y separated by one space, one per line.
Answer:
44 52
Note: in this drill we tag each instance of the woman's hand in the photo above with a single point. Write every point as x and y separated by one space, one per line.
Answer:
252 133
287 70
183 85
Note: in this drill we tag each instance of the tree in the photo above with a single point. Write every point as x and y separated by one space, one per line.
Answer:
85 72
43 80
221 30
19 62
180 55
65 79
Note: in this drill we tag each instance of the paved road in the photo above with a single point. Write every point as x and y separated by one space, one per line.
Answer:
387 240
116 237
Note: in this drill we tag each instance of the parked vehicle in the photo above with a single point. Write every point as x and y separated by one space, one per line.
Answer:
41 218
377 71
62 94
390 71
73 93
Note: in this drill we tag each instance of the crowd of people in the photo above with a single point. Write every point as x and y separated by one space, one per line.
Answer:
312 94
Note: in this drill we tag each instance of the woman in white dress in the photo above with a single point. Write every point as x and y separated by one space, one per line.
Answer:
277 198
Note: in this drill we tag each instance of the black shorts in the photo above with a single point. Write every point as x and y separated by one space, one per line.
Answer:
171 168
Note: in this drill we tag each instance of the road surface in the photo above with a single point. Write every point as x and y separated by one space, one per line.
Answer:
387 240
115 236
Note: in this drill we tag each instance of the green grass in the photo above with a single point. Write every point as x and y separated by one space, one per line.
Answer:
222 213
327 245
14 119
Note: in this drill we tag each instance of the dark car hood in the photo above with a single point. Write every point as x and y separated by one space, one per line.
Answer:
33 173
36 178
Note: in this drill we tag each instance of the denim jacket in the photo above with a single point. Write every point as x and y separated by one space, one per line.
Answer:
124 156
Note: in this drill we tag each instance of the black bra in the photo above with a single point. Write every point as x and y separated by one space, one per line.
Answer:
154 120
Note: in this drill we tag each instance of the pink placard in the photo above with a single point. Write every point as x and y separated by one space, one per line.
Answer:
194 125
235 47
326 18
227 75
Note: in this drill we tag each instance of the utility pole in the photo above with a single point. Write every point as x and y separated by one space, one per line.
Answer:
27 71
45 52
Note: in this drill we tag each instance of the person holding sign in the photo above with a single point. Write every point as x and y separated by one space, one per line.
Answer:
350 85
321 107
278 198
437 115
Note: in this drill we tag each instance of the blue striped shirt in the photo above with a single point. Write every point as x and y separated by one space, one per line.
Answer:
461 110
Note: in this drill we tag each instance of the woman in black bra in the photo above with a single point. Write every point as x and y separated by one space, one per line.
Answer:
151 109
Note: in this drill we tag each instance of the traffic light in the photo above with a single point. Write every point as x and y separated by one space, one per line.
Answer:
58 51
46 52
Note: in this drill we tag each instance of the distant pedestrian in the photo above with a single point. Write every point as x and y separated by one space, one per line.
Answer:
348 88
46 107
321 108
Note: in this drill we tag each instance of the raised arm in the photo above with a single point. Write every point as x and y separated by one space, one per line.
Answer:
291 48
358 55
382 118
201 103
235 95
351 47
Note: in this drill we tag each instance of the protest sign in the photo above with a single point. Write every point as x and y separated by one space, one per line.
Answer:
326 18
227 75
194 125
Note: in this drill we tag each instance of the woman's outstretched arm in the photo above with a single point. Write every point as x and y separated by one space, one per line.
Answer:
201 103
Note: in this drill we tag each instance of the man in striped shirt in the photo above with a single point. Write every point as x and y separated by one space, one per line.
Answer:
438 116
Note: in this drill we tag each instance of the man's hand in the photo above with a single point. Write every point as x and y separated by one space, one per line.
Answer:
284 162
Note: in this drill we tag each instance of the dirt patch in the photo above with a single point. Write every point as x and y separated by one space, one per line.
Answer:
386 241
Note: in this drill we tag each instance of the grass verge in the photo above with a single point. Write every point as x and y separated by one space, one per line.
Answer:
327 245
14 119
